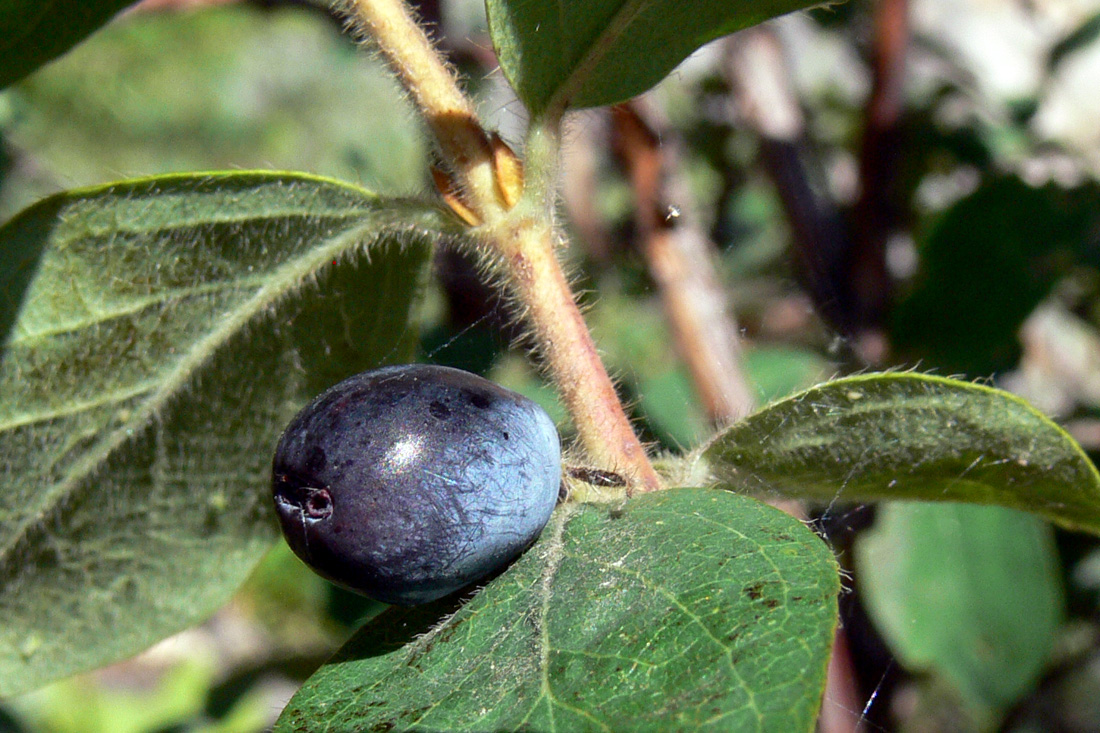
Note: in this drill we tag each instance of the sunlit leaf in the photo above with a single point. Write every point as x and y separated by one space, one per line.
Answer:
586 53
682 609
162 332
911 436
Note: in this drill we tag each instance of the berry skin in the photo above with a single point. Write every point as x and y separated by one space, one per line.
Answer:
408 483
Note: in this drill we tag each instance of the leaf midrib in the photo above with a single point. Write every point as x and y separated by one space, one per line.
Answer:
596 51
119 396
136 306
284 281
183 223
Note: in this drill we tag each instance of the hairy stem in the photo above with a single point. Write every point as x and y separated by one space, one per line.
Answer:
571 356
517 232
525 244
459 136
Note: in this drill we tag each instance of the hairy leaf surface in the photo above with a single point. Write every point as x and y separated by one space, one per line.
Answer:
911 436
160 334
587 53
682 609
970 593
33 32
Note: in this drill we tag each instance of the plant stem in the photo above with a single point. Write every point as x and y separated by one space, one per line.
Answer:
571 357
517 238
525 244
450 115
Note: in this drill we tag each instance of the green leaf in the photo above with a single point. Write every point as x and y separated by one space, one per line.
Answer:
169 328
1022 239
230 86
683 609
33 32
970 593
587 53
911 436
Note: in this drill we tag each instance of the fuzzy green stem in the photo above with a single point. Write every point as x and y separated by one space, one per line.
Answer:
461 139
519 237
525 243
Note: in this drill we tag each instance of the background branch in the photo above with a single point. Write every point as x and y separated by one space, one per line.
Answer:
680 258
878 212
757 71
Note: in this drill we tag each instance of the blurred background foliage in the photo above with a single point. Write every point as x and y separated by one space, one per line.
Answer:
919 189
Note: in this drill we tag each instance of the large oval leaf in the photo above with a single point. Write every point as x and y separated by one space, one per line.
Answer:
683 609
972 593
168 330
33 32
911 436
586 53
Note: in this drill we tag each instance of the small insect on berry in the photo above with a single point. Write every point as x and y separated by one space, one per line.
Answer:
408 483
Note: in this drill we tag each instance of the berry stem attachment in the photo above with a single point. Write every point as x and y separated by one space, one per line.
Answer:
510 206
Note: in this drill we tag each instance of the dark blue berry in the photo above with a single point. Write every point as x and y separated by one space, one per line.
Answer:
408 483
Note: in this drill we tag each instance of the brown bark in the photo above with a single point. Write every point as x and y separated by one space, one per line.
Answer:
681 261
